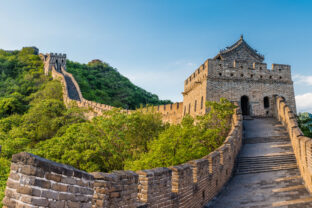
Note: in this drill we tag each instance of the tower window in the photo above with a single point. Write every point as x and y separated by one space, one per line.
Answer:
195 105
266 102
189 110
202 102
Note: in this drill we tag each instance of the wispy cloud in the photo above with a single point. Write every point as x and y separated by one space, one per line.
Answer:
304 102
301 79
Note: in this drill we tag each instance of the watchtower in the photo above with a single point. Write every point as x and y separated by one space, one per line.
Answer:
53 59
238 74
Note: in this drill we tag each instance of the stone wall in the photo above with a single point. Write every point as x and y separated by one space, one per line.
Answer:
232 80
171 113
37 182
302 145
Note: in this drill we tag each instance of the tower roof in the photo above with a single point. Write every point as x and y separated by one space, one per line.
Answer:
240 51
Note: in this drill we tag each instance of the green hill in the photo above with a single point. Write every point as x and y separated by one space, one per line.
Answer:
102 83
33 118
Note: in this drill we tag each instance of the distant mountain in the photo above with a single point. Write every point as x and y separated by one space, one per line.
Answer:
100 82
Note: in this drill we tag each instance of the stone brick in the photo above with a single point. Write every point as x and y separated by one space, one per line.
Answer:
57 204
60 187
49 194
53 177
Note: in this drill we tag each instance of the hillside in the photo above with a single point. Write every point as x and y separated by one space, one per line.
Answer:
102 83
33 118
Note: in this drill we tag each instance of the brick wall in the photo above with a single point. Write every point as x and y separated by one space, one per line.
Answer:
302 145
171 113
37 182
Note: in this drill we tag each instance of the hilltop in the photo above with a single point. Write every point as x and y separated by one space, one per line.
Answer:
102 83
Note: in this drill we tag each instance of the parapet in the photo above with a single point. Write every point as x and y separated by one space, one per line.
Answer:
171 113
57 55
35 181
300 144
238 70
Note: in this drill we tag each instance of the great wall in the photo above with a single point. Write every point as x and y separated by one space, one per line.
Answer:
265 160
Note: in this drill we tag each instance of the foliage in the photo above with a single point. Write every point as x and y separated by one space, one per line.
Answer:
102 83
192 139
4 173
105 143
31 107
305 123
138 140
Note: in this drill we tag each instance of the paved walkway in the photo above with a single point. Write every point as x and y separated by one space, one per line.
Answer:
72 91
266 174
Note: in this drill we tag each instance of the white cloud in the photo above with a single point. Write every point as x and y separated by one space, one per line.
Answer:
300 79
304 102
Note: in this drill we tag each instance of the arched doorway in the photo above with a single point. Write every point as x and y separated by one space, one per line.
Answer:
266 102
245 105
57 65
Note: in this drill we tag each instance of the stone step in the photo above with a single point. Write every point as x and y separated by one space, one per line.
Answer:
267 165
266 139
264 158
261 161
260 164
266 169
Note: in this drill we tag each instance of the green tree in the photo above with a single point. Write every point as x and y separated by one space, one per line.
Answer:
192 139
305 123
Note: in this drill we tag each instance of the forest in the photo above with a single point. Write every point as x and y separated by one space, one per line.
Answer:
33 118
100 82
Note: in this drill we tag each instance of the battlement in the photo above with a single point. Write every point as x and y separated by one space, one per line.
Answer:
238 70
57 55
171 113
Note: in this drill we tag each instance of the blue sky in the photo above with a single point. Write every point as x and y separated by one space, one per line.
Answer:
158 43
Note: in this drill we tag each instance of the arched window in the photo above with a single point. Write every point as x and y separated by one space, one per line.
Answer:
189 110
195 105
266 102
202 102
245 105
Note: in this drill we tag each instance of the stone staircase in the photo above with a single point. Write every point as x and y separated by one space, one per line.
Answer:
246 165
72 91
266 173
